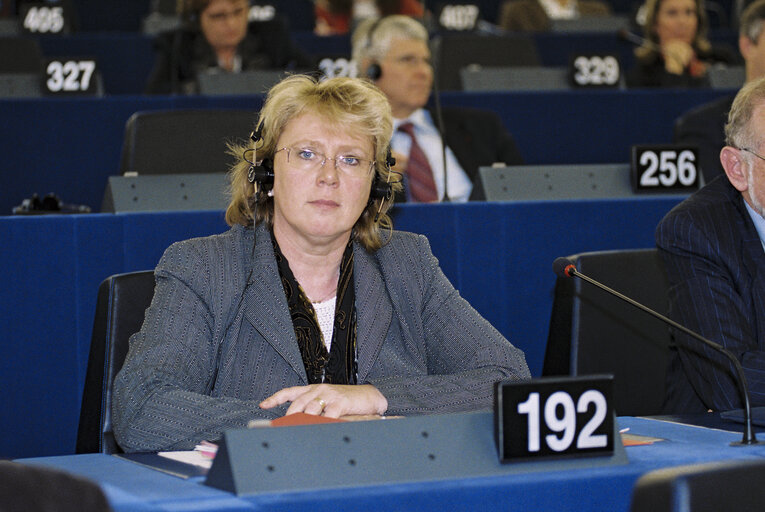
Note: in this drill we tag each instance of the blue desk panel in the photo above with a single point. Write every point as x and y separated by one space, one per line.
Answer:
130 487
72 146
498 255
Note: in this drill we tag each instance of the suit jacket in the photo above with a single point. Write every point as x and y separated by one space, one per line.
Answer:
530 16
211 349
183 54
704 127
716 268
478 138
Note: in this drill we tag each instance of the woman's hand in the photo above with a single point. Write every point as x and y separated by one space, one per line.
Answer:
331 400
677 56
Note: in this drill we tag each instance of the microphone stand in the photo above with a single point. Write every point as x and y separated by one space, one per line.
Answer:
565 268
440 123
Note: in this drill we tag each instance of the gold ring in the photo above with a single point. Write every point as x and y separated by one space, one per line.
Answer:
322 403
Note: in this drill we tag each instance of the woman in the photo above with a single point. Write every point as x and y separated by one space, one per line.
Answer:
216 37
310 303
676 52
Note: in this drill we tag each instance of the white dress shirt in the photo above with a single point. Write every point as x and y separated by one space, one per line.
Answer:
759 223
429 140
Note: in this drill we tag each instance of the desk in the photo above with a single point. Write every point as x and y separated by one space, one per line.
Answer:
131 487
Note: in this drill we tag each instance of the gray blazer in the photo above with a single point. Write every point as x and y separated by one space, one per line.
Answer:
210 349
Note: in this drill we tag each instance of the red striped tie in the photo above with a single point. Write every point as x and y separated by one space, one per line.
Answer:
422 187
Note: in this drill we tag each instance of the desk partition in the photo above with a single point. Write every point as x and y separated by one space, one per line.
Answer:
72 146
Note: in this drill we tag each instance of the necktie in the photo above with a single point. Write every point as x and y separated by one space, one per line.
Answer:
422 187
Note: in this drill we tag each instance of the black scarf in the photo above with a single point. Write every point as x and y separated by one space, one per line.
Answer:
339 365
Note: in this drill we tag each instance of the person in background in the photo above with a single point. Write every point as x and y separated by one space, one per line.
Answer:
537 15
393 52
713 247
216 37
310 302
676 52
704 126
334 17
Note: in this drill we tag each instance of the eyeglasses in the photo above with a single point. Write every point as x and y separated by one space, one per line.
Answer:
308 160
752 152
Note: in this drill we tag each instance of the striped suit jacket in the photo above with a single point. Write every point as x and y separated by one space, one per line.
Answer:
211 349
716 267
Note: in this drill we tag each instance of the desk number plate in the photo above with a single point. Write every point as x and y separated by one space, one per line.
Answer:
664 168
554 417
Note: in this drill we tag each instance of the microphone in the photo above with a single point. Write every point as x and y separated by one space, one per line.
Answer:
564 267
626 35
440 123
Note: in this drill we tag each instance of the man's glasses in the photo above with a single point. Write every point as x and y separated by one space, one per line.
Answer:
752 152
308 160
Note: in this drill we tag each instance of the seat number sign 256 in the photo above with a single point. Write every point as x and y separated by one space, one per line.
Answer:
554 417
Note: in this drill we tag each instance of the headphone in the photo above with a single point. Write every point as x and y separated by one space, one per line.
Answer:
263 173
374 71
189 16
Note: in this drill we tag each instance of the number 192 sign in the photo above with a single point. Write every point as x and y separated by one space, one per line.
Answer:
554 417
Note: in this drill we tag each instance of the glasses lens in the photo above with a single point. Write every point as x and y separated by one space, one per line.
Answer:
309 160
353 166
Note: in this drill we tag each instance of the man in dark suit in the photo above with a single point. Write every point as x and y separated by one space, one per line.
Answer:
703 126
713 246
393 52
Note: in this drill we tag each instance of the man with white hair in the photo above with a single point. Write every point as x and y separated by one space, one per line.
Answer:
393 52
713 246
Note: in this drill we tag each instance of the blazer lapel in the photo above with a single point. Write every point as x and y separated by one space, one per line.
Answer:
265 305
373 312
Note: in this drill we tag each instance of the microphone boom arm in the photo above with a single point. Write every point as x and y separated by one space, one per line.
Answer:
748 436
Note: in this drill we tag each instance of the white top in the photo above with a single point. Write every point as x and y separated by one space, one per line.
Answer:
556 11
759 223
325 314
429 140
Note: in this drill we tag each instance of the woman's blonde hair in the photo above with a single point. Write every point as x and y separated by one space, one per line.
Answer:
356 106
700 41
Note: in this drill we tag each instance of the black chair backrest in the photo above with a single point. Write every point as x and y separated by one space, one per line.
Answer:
20 55
593 332
726 485
183 141
120 307
452 52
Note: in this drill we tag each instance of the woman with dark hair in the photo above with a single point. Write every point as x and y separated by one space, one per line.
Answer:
676 52
216 37
311 302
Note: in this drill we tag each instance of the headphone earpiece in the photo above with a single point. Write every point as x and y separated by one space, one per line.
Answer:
374 71
383 189
263 174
